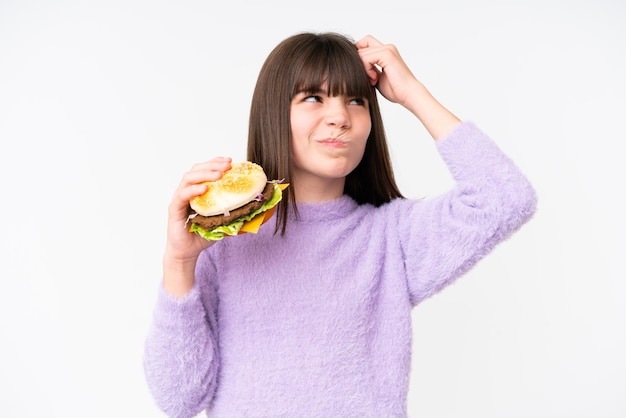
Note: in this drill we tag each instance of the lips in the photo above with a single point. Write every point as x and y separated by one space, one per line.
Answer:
332 142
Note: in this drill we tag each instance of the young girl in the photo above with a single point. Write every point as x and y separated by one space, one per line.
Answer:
311 316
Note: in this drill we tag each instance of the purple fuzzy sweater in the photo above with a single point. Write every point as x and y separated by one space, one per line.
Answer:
317 323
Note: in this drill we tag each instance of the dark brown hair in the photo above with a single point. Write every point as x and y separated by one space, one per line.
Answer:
306 61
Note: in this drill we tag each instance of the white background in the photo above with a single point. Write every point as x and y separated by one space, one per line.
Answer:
104 105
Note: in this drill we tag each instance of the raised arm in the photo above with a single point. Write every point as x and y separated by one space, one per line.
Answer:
491 199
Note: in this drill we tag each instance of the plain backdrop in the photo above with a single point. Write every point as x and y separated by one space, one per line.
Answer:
105 104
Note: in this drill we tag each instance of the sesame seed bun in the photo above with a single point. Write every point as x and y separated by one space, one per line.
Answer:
238 186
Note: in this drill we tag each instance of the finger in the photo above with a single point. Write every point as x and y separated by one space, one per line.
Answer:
367 42
215 164
179 206
373 74
211 170
186 193
371 65
372 68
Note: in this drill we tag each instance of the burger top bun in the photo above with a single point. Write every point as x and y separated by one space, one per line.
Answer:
238 186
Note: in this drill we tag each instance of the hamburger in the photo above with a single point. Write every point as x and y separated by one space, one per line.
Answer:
243 196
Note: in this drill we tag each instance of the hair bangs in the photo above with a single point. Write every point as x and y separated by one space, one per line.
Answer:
332 65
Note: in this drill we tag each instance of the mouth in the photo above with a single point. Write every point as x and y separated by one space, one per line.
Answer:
332 142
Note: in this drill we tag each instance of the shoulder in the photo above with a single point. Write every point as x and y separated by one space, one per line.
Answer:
398 206
388 215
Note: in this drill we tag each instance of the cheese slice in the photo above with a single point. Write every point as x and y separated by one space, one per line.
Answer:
255 223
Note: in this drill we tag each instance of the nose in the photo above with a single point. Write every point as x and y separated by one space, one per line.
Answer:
337 112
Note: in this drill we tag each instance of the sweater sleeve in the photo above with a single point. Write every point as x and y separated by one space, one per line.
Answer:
450 233
180 354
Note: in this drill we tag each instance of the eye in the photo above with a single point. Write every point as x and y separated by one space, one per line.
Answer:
312 98
357 101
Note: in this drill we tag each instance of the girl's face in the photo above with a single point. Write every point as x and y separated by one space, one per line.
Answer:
328 137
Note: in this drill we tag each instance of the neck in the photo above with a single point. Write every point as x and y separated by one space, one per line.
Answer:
318 190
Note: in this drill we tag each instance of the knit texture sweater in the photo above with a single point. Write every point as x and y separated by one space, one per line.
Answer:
317 323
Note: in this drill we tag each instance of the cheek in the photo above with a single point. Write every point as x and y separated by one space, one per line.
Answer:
365 130
298 150
298 130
